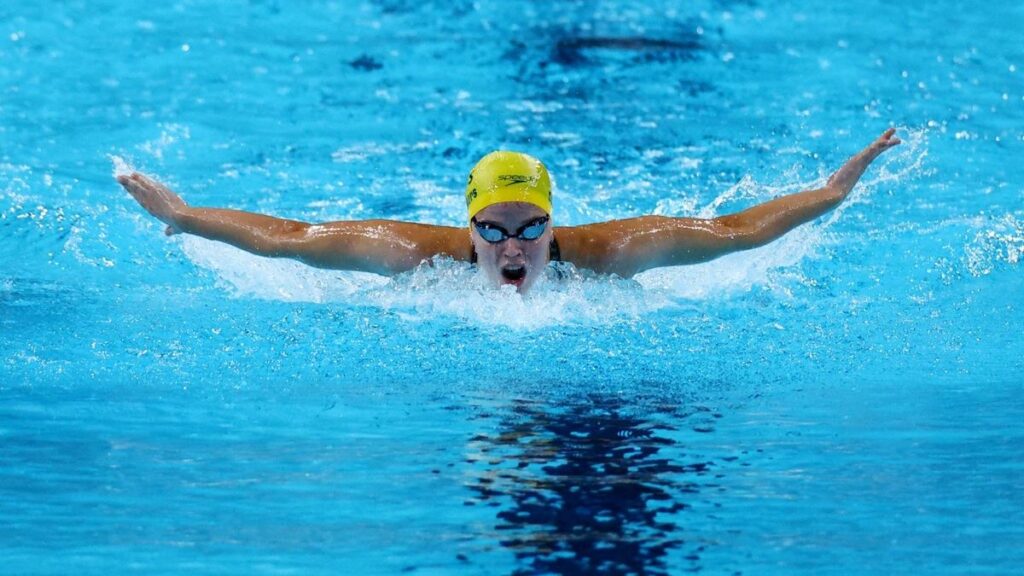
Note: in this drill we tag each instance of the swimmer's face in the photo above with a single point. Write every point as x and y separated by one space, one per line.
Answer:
512 261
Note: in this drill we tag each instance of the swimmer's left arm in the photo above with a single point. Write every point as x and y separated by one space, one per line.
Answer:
767 222
627 247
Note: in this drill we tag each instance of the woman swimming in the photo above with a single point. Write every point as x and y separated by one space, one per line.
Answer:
510 235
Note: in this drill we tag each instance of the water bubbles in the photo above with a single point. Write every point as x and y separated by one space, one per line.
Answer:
535 106
170 135
1001 242
121 166
562 139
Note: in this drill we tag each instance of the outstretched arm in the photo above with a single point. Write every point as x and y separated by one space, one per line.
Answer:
626 247
380 246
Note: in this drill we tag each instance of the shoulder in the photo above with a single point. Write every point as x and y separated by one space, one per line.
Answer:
384 246
626 247
598 246
429 240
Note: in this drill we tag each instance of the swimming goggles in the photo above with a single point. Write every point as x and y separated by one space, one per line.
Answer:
495 234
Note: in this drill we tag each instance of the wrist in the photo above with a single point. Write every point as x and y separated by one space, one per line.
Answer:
180 217
838 192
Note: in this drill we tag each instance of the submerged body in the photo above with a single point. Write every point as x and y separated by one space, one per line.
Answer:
510 236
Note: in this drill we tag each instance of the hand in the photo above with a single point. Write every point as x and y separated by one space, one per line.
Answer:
156 198
844 178
883 143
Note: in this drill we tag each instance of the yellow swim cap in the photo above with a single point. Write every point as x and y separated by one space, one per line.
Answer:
508 177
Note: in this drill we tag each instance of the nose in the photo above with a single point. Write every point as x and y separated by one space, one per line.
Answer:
512 247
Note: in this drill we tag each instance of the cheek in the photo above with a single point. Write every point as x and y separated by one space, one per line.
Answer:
487 257
490 253
484 251
538 252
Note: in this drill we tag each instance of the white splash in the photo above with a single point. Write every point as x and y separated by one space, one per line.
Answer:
122 167
564 296
245 274
73 246
170 135
1001 241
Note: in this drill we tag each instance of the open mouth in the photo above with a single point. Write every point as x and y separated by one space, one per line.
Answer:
513 273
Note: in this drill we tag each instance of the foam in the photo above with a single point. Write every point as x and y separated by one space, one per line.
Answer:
563 296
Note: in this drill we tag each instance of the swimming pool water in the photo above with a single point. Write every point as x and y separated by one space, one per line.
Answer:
845 400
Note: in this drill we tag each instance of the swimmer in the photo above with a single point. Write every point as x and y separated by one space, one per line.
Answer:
510 234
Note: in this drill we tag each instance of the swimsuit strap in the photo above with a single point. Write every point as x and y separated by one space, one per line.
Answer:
554 253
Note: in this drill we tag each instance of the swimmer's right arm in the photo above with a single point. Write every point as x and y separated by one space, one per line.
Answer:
379 246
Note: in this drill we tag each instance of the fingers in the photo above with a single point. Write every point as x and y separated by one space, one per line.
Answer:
143 187
156 199
137 179
133 182
130 186
885 141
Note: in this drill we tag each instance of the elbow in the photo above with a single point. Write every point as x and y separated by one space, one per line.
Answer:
737 234
291 241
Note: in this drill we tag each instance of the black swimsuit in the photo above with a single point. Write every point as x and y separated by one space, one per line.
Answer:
554 254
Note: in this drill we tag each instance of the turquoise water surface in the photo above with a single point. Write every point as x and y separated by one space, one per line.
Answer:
846 400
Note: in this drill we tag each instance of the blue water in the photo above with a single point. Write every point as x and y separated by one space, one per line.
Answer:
845 400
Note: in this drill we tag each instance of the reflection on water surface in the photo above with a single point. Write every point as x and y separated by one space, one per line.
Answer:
593 487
